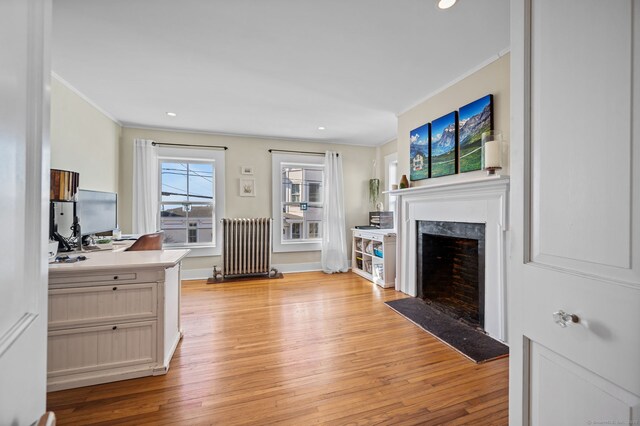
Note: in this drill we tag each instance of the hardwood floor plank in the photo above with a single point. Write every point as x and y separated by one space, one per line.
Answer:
307 349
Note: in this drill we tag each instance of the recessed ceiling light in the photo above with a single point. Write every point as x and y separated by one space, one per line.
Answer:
446 4
171 114
321 128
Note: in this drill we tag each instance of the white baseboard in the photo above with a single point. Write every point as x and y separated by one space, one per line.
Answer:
203 274
196 274
299 267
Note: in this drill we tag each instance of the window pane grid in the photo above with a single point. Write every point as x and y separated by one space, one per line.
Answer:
187 202
301 203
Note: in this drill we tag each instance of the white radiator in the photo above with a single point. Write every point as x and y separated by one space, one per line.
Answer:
246 247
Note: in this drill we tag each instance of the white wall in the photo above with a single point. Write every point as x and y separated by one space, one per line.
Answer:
83 139
494 79
253 152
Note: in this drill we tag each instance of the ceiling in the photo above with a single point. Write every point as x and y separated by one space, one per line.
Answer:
271 68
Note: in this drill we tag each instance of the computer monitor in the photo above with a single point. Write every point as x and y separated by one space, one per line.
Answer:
97 211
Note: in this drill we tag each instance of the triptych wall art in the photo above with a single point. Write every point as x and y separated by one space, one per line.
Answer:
452 143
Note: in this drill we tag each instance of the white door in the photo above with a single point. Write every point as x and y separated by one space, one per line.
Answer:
24 164
576 212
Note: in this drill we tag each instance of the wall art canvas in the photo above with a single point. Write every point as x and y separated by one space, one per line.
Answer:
474 119
444 142
419 153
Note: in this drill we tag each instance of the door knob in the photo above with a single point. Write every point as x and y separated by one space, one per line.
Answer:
564 319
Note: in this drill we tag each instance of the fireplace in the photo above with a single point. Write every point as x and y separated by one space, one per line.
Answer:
450 262
464 199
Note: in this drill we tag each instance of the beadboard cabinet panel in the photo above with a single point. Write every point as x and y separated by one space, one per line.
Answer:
81 306
79 350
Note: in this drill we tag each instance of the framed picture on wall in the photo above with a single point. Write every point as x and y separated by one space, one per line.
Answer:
247 187
419 152
444 144
246 170
474 119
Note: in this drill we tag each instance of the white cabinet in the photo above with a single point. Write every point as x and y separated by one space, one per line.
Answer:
114 324
81 306
373 255
90 349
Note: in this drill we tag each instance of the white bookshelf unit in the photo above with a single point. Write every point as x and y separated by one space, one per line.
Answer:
373 255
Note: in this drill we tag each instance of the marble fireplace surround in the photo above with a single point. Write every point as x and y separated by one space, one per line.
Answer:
481 200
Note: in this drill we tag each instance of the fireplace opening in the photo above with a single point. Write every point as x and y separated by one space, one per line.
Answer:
451 268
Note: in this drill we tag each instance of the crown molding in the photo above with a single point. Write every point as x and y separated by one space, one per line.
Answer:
457 80
240 135
84 97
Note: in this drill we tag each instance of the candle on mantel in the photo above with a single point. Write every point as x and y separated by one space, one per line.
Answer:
492 154
492 151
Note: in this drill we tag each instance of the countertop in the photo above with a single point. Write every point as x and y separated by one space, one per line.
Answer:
119 259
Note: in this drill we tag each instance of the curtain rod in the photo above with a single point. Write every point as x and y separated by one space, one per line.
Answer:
193 146
298 152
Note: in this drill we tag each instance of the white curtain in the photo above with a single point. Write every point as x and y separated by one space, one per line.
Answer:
145 187
334 234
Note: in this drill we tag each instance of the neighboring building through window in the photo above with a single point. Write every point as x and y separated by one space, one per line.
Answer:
192 198
314 230
315 194
187 202
297 202
301 202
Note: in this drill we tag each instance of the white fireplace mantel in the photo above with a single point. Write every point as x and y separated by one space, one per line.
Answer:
481 200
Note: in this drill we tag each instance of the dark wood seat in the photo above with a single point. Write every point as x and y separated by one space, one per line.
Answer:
147 242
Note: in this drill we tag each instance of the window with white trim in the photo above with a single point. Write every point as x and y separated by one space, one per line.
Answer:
391 178
297 202
186 202
191 198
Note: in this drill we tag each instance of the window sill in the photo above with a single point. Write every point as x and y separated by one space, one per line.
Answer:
197 251
280 247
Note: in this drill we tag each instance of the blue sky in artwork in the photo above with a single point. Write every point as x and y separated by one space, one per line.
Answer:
437 126
474 108
420 136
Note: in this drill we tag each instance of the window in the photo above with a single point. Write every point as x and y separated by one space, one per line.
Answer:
314 192
297 202
191 197
186 202
295 230
301 201
314 230
294 193
391 177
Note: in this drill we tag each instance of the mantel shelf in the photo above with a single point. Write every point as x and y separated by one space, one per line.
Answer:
484 181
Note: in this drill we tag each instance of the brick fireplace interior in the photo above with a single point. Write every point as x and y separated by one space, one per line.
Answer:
450 268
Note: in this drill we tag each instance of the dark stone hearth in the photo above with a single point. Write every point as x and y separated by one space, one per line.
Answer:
450 268
470 342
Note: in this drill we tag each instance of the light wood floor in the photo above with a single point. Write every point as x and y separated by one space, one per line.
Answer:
307 349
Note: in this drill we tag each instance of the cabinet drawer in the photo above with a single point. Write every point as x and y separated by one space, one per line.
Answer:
80 306
102 347
73 278
96 277
369 236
